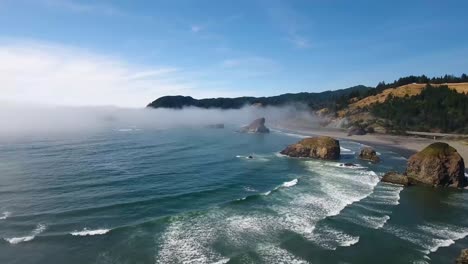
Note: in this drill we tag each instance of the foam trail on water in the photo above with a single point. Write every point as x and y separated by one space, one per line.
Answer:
430 237
5 215
16 240
86 232
283 185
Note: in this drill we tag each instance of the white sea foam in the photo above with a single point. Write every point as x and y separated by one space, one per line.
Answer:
345 149
374 222
430 237
188 240
289 183
342 165
16 240
275 254
283 185
86 232
331 238
5 215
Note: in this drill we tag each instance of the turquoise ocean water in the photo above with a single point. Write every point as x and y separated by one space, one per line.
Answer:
191 195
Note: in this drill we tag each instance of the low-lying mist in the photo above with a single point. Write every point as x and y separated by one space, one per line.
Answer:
27 122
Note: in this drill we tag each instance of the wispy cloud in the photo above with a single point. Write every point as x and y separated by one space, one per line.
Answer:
54 74
299 41
80 7
291 23
196 28
251 66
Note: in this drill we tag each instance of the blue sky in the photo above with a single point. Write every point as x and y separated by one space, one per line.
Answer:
128 53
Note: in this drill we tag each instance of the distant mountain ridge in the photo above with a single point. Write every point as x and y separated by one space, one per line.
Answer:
312 100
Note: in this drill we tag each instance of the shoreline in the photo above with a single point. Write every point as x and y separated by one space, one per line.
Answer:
403 145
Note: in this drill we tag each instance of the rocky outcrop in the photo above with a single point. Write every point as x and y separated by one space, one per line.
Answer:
356 131
439 164
323 147
463 258
257 126
369 154
396 178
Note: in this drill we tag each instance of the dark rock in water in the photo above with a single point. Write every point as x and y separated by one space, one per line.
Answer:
439 164
356 131
369 154
217 126
250 157
396 178
326 148
463 258
257 126
348 165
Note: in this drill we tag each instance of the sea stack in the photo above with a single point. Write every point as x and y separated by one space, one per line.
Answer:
369 154
439 164
257 126
323 147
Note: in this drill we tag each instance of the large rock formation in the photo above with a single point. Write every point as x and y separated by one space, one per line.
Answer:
326 148
369 154
396 178
257 126
439 165
463 258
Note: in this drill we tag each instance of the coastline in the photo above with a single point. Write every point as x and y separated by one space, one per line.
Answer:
403 145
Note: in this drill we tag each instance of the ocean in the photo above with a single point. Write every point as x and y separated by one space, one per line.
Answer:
192 195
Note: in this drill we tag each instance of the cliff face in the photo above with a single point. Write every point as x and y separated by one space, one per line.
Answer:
325 148
439 164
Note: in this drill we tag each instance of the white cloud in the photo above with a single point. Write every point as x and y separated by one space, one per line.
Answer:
291 22
196 28
299 42
53 74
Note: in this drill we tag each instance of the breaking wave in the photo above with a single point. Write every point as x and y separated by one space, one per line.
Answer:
16 240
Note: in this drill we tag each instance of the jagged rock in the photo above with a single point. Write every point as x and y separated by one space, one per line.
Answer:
439 164
356 131
323 147
463 258
396 178
369 154
257 126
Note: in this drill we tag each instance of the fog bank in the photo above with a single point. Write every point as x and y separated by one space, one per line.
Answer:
24 121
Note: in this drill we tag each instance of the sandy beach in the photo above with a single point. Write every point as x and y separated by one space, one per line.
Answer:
404 145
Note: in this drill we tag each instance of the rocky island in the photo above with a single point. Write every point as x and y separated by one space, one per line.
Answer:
369 154
257 126
438 164
322 147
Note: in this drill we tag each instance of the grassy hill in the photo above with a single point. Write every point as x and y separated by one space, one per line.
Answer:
405 90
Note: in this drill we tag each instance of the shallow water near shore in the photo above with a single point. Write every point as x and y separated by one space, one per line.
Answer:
193 196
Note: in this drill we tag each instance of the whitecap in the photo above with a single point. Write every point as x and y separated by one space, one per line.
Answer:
16 240
86 232
5 215
331 238
345 149
289 183
275 254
